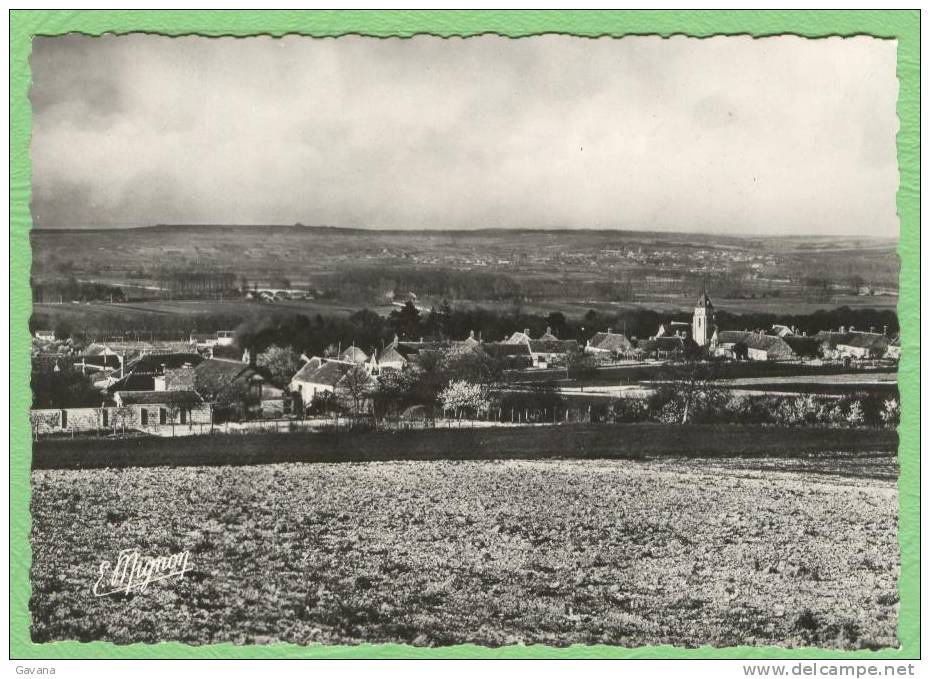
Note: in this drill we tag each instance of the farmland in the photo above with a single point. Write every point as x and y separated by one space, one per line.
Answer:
546 270
94 312
756 551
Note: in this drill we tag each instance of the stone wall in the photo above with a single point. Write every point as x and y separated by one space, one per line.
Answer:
51 421
68 419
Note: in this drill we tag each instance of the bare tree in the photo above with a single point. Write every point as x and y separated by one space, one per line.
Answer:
356 388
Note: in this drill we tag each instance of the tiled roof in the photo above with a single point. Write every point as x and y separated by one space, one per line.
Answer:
308 368
867 340
832 339
409 350
156 363
772 345
217 367
390 354
328 373
553 346
220 370
732 336
611 341
505 349
132 382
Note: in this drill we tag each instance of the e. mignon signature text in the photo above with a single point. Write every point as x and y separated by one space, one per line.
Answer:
134 572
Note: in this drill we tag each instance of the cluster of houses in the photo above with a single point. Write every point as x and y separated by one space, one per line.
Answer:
148 384
673 340
277 294
353 369
152 384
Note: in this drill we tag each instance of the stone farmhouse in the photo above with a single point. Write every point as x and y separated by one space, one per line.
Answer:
400 354
751 346
546 351
609 344
858 345
344 380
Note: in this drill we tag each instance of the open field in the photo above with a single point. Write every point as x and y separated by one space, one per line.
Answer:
243 309
683 303
623 441
546 270
671 551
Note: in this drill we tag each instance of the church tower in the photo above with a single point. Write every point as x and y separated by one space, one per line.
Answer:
702 326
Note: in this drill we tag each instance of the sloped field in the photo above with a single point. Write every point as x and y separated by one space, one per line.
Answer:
618 552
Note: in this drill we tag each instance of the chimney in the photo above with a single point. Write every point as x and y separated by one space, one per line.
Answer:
548 330
526 331
160 383
852 328
471 334
885 330
610 331
872 329
842 329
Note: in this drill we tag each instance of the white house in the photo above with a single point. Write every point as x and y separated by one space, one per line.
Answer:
322 376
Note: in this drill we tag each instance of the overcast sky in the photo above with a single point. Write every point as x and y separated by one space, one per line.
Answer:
729 134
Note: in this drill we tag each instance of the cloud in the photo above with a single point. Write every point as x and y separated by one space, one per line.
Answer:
778 135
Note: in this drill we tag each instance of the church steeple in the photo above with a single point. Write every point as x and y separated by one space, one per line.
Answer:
704 300
702 325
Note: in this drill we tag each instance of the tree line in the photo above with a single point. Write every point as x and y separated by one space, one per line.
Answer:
70 289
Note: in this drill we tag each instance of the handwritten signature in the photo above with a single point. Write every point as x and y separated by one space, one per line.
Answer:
135 572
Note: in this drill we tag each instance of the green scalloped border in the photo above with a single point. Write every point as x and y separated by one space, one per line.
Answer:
901 25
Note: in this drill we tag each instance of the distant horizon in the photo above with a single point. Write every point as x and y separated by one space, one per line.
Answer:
729 134
501 229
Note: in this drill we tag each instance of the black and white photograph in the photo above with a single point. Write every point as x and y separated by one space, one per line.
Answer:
551 340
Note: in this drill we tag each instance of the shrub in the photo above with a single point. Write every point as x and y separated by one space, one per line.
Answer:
891 413
855 416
